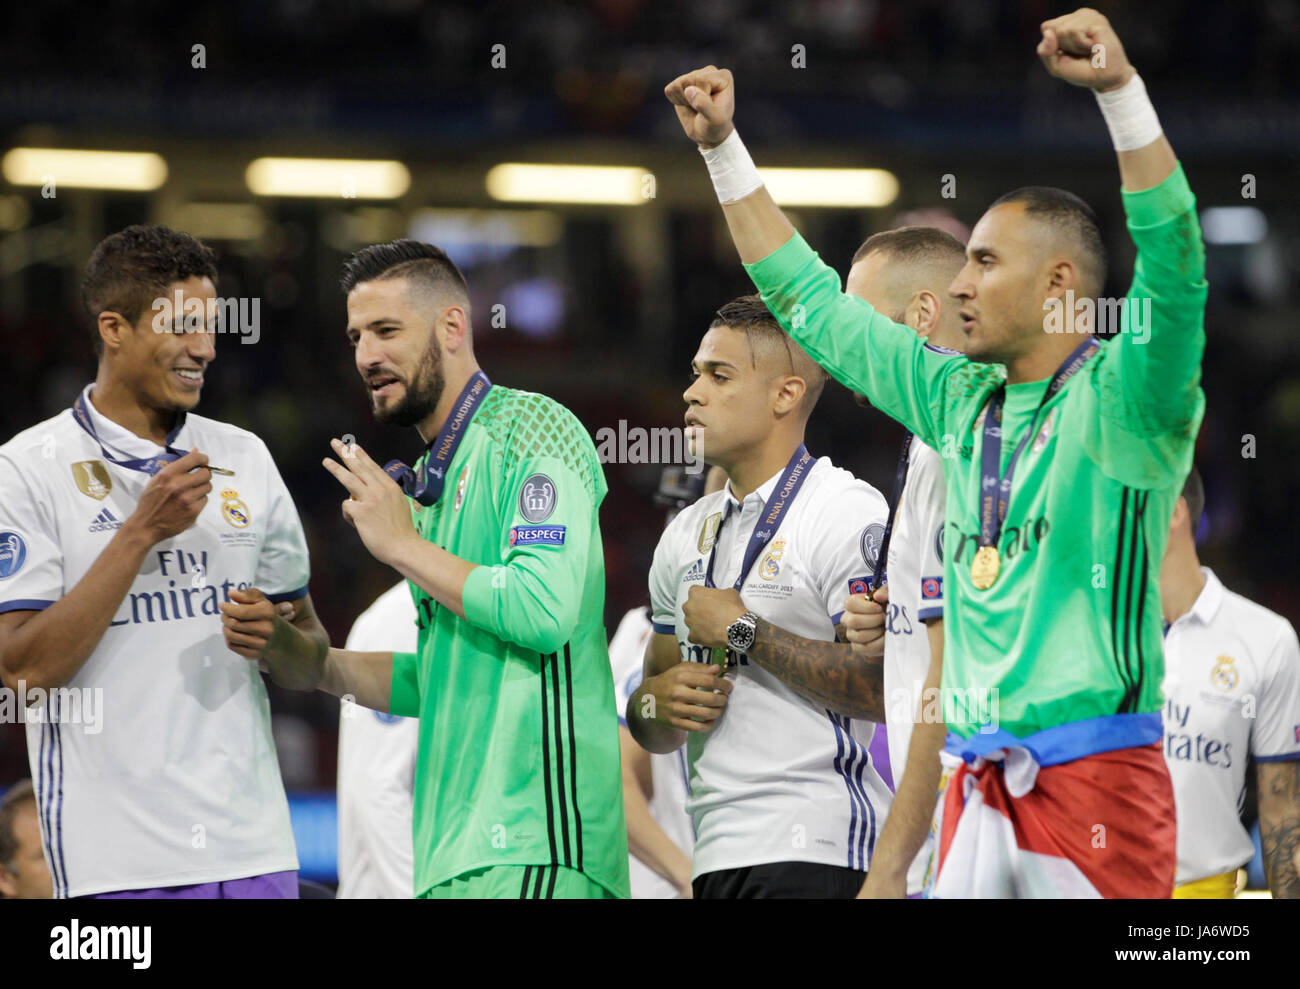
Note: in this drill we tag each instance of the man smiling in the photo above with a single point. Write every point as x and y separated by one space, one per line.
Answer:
119 566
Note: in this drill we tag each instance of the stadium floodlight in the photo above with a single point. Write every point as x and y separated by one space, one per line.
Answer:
72 168
1233 225
830 186
609 185
326 178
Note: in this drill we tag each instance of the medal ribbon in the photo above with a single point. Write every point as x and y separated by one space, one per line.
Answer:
900 478
993 510
769 520
148 465
426 486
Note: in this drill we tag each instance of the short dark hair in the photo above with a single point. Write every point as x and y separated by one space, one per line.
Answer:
129 269
750 315
14 796
913 244
1194 495
406 258
1069 215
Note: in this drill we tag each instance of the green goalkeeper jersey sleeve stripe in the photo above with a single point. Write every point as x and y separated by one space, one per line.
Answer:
1071 628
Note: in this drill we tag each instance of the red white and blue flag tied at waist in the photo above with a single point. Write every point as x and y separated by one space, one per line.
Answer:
1080 810
769 520
426 488
993 512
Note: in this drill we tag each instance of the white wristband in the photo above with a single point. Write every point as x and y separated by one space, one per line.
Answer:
1129 115
732 170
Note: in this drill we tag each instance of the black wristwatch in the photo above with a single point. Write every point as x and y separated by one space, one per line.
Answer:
740 633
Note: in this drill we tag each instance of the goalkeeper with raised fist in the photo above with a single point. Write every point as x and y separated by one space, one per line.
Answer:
1064 457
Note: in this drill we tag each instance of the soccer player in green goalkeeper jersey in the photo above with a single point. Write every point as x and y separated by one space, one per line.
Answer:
1064 457
518 791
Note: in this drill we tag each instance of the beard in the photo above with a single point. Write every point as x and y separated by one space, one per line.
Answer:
423 392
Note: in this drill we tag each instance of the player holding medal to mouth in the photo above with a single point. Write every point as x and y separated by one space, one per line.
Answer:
783 795
1064 457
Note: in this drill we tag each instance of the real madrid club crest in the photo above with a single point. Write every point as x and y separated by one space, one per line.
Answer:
1224 674
771 565
92 478
709 532
234 510
460 489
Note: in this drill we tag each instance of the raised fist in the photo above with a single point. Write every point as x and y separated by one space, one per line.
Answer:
705 101
1084 50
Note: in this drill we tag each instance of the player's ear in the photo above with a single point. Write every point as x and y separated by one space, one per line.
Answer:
1180 516
1062 275
112 327
789 394
454 328
923 312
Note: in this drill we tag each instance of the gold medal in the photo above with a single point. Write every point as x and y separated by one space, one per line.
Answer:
984 569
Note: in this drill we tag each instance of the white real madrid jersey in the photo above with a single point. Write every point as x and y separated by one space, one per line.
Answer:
1232 690
377 768
175 781
668 772
780 778
915 573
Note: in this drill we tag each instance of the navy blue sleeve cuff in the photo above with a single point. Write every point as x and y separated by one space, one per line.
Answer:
288 595
1285 757
24 604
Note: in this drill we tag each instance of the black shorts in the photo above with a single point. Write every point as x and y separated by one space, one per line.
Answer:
780 881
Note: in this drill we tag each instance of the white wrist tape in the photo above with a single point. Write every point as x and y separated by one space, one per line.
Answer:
1129 115
732 170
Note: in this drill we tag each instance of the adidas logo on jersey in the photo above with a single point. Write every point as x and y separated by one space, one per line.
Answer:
695 573
105 521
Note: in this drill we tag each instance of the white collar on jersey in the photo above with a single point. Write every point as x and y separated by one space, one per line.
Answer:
763 491
1207 602
119 439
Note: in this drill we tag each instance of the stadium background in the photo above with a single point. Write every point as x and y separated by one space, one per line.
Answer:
604 304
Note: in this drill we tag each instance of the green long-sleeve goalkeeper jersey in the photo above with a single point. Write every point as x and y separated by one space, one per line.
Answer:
518 758
1071 629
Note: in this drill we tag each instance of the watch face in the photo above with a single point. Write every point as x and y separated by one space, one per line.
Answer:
740 634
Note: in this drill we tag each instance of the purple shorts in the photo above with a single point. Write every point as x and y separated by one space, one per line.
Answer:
272 886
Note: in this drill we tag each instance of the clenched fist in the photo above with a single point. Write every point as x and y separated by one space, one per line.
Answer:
705 101
688 696
1084 50
864 622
